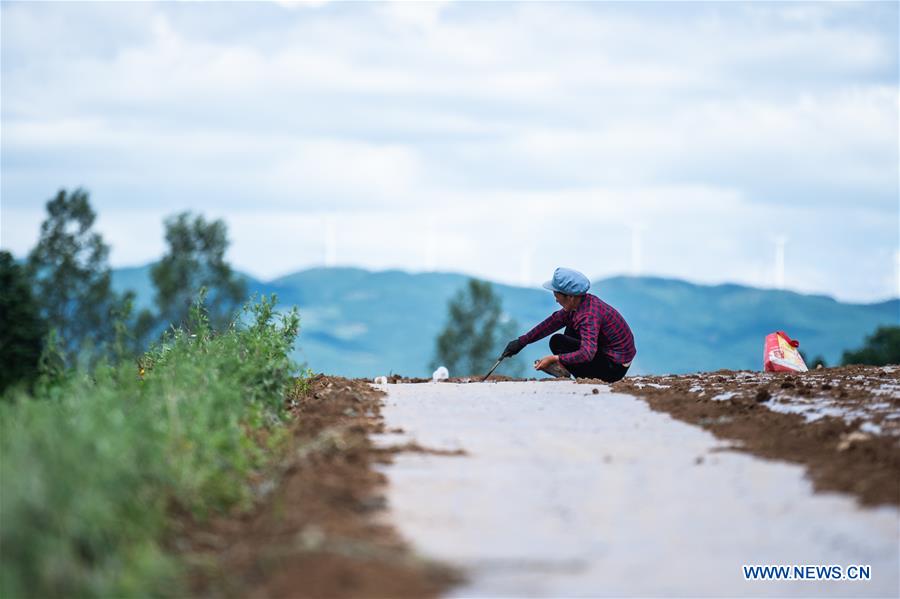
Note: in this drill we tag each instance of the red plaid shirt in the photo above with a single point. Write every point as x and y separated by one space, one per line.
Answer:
599 325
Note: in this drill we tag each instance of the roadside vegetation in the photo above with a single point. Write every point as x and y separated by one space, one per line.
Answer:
97 461
115 426
881 348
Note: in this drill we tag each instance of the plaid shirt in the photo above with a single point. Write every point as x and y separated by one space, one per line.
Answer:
598 324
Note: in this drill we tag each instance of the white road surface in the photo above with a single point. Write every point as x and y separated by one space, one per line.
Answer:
567 493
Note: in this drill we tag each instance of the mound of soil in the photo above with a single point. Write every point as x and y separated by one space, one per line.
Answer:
843 424
315 533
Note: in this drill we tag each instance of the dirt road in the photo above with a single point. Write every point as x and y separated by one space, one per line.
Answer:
570 490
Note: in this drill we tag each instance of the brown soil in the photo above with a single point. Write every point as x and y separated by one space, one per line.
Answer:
315 534
846 430
475 378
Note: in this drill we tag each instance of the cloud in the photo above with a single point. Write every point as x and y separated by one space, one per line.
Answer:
527 116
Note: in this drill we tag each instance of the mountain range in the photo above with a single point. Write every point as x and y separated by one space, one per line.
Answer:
361 323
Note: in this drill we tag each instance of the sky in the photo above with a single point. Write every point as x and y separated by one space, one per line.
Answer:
714 142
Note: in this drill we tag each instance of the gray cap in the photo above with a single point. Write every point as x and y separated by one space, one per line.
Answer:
568 281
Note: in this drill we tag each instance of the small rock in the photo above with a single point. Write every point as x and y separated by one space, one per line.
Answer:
441 374
763 395
595 391
851 438
378 502
311 538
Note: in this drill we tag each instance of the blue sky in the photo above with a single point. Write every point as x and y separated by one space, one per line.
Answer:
497 139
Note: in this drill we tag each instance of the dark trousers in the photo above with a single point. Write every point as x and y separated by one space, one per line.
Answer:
601 367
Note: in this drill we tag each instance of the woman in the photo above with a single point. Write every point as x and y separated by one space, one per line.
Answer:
597 342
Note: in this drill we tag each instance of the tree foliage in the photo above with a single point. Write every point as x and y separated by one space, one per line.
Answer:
881 347
71 276
195 260
21 328
476 332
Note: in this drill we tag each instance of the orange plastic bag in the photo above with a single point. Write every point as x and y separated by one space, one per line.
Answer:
781 355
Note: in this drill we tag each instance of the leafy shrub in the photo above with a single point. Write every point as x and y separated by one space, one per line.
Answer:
95 462
882 347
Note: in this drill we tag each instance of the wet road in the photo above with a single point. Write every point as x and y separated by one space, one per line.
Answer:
569 493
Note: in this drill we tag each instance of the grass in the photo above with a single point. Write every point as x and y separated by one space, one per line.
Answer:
95 461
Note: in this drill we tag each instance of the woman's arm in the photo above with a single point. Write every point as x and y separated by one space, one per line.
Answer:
551 324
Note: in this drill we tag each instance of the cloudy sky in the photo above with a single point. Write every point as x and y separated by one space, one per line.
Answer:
498 139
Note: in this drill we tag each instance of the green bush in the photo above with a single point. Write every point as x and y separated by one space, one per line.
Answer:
881 348
94 464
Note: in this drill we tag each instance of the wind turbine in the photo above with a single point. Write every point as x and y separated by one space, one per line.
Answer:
780 242
430 246
636 247
330 242
897 266
525 267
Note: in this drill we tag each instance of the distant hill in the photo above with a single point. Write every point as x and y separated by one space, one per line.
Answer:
356 322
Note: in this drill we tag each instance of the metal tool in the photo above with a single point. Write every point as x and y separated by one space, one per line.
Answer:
491 371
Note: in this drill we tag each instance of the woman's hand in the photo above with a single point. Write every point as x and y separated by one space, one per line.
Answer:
512 348
545 362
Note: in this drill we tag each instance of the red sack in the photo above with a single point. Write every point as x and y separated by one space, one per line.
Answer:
781 355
